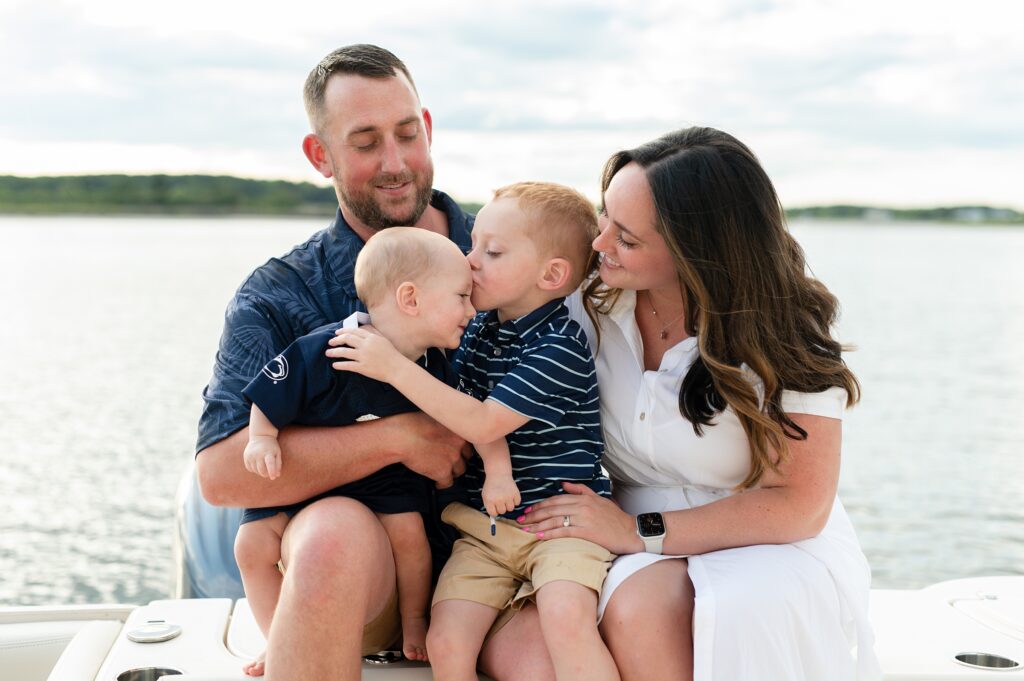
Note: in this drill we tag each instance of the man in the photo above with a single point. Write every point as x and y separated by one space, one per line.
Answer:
372 138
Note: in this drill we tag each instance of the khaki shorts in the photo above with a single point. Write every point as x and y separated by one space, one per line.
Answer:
385 631
506 570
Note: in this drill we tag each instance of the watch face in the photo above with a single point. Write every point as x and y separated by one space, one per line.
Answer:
650 524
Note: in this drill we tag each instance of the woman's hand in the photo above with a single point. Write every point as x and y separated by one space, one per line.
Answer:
591 517
368 352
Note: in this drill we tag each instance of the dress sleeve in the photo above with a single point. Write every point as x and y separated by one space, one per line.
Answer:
830 403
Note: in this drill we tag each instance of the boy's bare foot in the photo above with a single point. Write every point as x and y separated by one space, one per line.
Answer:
257 666
414 638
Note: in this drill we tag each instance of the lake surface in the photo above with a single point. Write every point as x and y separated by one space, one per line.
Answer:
110 325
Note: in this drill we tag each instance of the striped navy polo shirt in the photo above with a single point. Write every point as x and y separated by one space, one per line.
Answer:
540 366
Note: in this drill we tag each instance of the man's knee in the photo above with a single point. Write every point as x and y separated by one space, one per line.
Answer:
334 540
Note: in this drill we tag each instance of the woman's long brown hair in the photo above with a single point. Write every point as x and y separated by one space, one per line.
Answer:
749 298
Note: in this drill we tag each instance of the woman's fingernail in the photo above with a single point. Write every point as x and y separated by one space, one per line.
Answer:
527 529
520 518
528 509
540 534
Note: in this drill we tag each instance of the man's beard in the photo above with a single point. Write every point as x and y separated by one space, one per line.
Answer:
368 210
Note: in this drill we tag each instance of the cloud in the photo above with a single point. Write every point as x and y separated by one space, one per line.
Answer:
531 86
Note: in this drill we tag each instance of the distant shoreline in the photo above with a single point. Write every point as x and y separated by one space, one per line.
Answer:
228 196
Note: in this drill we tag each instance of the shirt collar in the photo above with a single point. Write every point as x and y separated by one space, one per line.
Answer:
343 257
529 325
357 319
623 315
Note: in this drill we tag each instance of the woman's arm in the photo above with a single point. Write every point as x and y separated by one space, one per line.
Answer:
790 505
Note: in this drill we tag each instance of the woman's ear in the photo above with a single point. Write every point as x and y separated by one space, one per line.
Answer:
556 274
407 298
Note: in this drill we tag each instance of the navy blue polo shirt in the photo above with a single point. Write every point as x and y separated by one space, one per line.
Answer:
288 297
299 386
540 366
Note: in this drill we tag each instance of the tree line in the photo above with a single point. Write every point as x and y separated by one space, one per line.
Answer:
160 194
227 195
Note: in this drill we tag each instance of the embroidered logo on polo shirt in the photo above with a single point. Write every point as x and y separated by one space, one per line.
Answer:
276 369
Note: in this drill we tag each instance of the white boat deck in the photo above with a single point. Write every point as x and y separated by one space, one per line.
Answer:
919 636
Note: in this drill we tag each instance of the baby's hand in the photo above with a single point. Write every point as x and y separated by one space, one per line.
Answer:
263 456
500 494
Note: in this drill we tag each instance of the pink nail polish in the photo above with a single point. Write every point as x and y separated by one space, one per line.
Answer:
520 518
527 529
540 534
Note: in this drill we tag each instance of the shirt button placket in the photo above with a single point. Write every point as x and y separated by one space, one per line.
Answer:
644 425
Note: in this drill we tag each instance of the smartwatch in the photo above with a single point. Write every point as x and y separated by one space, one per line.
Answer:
650 527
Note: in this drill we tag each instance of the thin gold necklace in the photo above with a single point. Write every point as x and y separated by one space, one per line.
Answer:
664 329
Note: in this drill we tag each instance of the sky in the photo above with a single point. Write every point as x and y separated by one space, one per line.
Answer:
882 102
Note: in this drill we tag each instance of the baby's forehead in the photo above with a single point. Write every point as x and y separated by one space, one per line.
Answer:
450 262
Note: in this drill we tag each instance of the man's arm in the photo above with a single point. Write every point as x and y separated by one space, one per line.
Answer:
320 459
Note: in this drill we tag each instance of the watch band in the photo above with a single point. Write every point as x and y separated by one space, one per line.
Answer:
653 544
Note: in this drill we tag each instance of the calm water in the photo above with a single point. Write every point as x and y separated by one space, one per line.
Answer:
109 328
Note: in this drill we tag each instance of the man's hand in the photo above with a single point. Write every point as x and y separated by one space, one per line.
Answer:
429 448
263 456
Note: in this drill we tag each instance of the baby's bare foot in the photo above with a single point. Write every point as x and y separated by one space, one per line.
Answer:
256 667
414 638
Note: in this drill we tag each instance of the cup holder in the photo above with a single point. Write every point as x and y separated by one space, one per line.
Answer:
148 673
986 661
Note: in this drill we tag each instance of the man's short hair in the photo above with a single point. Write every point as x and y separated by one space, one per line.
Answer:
399 254
368 61
563 223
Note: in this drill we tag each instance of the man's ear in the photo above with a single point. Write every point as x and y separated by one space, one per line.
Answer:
314 150
428 125
407 298
555 275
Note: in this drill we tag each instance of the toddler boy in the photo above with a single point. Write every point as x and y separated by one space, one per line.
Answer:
531 366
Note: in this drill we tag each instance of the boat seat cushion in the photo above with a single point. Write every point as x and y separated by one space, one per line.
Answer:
83 656
30 649
244 637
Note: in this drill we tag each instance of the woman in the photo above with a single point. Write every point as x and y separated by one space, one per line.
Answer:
722 394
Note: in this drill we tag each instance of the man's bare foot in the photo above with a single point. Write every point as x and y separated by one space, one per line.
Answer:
414 638
256 667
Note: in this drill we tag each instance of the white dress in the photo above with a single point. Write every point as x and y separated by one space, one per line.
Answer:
766 612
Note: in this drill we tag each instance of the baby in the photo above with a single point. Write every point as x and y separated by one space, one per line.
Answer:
416 287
